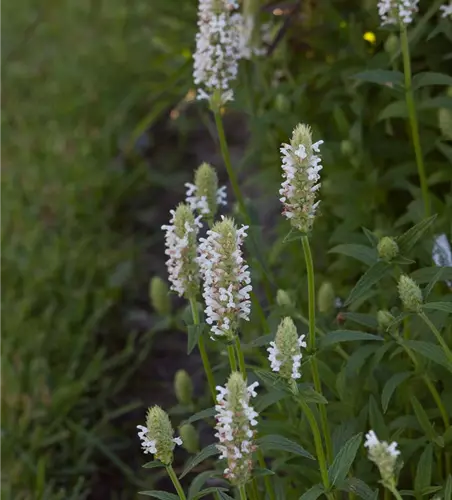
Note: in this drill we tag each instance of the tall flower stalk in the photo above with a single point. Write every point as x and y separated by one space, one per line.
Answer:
301 165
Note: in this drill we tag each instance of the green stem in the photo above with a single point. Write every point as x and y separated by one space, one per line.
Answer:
394 491
311 343
267 482
176 482
232 360
318 443
413 119
438 335
240 356
202 350
242 492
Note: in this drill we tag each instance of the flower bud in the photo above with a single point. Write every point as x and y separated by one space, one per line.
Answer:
326 299
235 419
158 435
283 299
183 387
384 318
387 248
284 352
301 166
384 456
347 148
181 248
204 195
189 437
392 44
445 122
159 296
410 294
282 103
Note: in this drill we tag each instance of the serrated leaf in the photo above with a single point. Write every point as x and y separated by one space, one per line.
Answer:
390 386
408 239
337 336
423 477
260 341
225 496
206 452
161 495
275 442
153 465
344 459
381 76
194 332
396 109
359 488
309 395
426 274
430 78
362 253
362 319
272 380
207 491
313 493
423 419
439 306
372 276
200 415
429 351
270 398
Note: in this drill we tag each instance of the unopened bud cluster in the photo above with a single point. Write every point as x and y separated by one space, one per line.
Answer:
235 421
204 196
181 248
301 167
410 294
384 456
387 248
189 437
326 298
158 435
158 294
183 387
226 278
397 11
284 352
384 319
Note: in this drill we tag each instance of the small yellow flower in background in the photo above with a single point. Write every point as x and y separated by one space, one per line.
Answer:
370 37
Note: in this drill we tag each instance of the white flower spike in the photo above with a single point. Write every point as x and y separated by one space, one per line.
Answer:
446 10
384 456
397 11
227 282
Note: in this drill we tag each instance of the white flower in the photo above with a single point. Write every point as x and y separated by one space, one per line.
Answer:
200 203
301 167
180 241
218 49
442 253
148 445
235 419
226 278
395 11
446 10
383 455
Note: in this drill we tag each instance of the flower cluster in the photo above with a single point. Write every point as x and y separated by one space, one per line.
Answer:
446 10
235 419
442 254
397 11
410 294
218 50
383 455
158 435
226 277
204 195
301 169
284 352
180 241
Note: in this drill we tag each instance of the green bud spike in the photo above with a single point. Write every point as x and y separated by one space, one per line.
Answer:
161 431
283 299
387 248
410 294
183 387
190 438
326 298
159 296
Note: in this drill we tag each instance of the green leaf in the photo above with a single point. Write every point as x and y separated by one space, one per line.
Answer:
426 274
224 496
199 481
161 495
201 415
313 493
372 276
272 380
433 282
439 306
207 491
275 442
423 419
362 253
423 476
376 419
372 237
429 351
381 76
357 359
269 399
408 239
206 452
448 487
153 465
362 319
430 78
358 487
261 472
390 386
309 395
436 102
260 341
337 336
344 459
396 109
194 332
